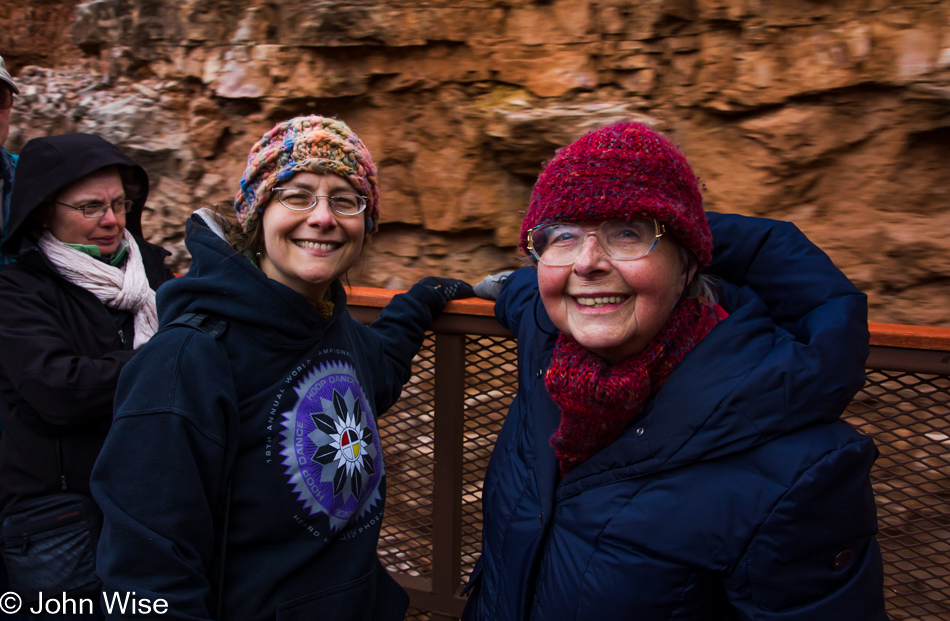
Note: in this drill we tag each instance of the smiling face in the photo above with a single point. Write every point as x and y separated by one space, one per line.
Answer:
614 308
72 227
307 250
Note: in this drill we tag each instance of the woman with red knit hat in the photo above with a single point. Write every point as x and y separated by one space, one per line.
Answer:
675 449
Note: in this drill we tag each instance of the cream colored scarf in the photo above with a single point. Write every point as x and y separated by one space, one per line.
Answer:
123 288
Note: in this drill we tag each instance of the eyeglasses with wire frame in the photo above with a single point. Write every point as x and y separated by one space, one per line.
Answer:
299 199
7 97
97 210
559 244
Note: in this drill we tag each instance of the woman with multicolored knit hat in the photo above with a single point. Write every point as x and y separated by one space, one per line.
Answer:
674 450
243 477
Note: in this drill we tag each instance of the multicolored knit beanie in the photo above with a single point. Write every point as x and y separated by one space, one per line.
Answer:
623 170
312 144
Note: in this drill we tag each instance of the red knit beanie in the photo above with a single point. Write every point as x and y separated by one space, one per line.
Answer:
622 171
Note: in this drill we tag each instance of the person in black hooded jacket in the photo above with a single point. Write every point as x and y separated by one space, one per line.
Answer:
243 477
76 304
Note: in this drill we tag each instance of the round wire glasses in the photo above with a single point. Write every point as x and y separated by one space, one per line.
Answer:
299 199
558 244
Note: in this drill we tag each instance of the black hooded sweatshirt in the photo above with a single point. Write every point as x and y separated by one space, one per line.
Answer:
61 349
272 430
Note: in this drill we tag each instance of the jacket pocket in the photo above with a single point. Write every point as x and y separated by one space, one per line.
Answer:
373 597
49 544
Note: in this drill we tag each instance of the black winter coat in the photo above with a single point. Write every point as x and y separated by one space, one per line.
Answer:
280 435
61 349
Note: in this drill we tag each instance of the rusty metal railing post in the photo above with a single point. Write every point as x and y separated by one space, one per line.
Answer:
447 492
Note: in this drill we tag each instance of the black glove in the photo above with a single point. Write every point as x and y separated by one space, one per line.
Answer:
448 288
490 287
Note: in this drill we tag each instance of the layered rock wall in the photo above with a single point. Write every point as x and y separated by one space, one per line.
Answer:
834 115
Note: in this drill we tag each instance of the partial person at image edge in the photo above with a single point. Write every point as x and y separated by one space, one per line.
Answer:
8 92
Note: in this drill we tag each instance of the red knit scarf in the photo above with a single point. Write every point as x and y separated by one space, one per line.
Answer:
598 401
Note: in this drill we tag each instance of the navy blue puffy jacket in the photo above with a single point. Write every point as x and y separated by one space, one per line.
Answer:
736 494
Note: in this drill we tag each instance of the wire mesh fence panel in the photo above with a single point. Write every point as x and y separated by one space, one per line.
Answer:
909 417
491 381
407 433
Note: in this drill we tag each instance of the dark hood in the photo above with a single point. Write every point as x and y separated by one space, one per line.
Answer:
48 164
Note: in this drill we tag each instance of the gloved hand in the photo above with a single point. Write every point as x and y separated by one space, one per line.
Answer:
490 287
448 288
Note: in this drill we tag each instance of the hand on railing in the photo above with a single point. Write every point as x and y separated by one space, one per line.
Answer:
448 288
490 287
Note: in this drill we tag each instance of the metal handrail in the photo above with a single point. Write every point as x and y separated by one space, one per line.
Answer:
882 334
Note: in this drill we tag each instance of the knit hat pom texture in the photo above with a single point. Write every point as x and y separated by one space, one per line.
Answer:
305 144
624 170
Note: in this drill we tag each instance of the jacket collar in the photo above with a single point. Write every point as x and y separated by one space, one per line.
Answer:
719 401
